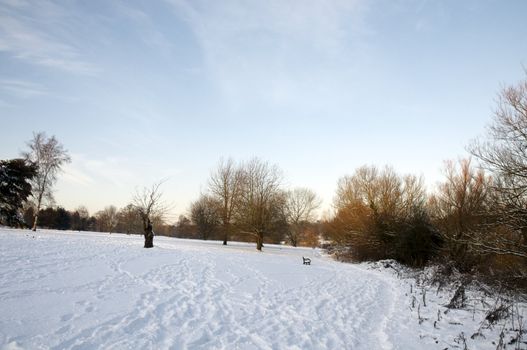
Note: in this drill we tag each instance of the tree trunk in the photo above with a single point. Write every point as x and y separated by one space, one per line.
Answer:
149 235
149 240
35 221
37 211
259 241
225 234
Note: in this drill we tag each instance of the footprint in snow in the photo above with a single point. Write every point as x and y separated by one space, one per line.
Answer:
66 317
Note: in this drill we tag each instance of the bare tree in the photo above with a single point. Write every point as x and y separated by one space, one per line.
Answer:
107 219
206 214
129 220
225 185
299 208
504 153
367 204
414 196
148 203
49 155
379 215
461 208
261 199
185 228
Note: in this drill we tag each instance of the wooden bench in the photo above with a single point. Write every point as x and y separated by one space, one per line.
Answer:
306 261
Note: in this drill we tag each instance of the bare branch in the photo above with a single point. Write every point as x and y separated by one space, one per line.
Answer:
49 156
148 203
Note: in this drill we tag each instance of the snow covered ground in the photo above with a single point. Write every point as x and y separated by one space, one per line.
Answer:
70 290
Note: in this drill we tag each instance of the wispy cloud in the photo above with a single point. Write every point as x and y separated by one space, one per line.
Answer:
274 50
21 88
106 170
76 176
25 34
147 29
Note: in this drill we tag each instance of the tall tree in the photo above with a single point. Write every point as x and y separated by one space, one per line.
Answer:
380 215
461 209
49 156
15 188
148 203
504 153
225 185
205 213
300 205
261 199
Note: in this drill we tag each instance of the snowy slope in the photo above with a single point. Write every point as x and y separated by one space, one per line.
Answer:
67 290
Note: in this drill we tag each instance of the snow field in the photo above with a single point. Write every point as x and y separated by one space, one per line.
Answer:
70 290
66 290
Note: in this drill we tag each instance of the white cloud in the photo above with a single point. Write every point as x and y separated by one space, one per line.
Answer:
148 30
21 88
76 176
25 34
278 52
106 170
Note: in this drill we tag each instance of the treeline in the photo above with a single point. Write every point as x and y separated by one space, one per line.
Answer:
475 221
110 219
205 224
247 201
470 223
244 201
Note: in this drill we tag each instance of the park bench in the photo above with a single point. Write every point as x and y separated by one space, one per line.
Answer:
306 261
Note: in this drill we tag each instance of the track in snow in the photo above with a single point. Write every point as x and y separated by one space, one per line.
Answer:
88 290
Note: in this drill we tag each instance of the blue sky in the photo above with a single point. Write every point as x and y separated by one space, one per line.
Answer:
143 90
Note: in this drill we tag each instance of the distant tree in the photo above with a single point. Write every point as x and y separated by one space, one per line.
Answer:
225 185
48 218
311 234
185 228
261 206
299 208
15 188
91 223
183 221
129 220
107 219
75 221
49 156
206 214
80 219
28 214
62 219
148 203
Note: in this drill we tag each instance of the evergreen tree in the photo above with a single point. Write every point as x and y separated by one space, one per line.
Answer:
15 188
